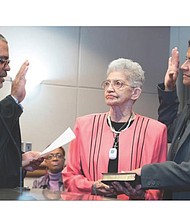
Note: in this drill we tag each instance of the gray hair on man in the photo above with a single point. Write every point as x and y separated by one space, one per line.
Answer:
3 38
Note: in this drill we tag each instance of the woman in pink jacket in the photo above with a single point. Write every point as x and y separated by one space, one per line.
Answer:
115 141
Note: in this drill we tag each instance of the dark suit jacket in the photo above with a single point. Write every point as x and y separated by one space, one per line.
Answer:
173 175
10 153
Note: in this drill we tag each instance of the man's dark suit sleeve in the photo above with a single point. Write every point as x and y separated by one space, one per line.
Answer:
168 175
168 109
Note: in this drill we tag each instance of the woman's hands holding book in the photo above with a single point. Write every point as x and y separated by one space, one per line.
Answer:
102 189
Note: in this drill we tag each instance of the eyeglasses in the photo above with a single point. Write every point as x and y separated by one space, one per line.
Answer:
117 84
57 156
4 62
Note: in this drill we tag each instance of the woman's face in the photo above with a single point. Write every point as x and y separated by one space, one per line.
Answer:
55 161
117 91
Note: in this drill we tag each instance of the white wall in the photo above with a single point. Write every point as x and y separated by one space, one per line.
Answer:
72 63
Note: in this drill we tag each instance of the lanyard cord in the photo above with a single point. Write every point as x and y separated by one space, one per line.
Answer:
123 126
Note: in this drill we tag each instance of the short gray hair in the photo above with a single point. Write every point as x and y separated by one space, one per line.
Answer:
133 71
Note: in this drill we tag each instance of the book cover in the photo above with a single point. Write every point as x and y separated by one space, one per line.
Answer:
132 178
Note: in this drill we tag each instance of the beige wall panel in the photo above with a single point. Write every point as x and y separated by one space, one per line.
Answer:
147 105
90 101
52 52
47 114
100 45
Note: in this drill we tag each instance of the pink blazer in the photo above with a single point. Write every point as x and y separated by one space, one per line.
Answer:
144 142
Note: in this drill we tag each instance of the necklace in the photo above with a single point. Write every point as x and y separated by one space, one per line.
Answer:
120 130
113 150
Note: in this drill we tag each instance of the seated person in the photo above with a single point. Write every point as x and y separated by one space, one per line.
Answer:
52 180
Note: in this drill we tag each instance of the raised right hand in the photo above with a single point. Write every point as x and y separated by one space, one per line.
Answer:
18 86
172 71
